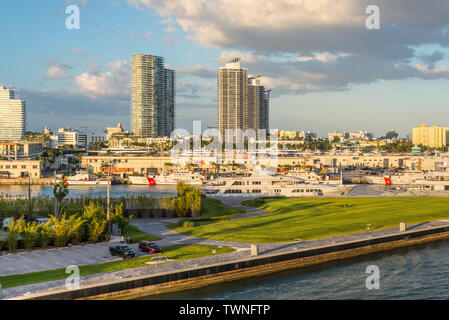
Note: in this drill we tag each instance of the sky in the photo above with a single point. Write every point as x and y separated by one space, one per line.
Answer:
326 69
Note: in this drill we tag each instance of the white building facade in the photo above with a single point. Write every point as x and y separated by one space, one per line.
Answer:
12 116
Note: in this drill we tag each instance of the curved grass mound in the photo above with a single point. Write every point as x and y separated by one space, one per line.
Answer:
306 219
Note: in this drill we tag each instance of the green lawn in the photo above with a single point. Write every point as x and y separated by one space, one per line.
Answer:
138 235
214 208
176 252
313 218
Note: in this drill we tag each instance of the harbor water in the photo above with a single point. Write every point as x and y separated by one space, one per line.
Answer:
420 272
156 191
93 191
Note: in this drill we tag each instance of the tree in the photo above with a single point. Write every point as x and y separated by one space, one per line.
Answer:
60 191
118 218
194 201
96 220
188 200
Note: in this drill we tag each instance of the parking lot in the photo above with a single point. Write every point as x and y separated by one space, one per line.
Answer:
41 260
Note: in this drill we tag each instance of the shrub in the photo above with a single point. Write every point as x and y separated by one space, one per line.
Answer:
188 224
60 229
74 228
29 233
12 236
95 221
96 229
46 234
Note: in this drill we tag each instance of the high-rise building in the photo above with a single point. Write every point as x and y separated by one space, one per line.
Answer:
12 116
242 102
232 96
258 106
432 137
152 97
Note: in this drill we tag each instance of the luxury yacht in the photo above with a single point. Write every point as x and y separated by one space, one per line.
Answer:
186 176
256 185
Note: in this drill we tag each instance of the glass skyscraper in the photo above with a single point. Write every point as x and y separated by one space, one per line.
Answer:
153 97
242 102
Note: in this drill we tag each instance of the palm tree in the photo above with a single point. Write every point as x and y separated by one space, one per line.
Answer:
60 191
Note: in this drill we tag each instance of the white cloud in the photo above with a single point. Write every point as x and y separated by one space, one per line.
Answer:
323 57
57 70
314 44
113 84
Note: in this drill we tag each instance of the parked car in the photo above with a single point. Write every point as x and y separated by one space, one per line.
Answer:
149 247
123 251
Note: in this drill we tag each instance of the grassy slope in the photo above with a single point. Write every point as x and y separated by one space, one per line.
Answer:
138 235
302 218
176 252
214 208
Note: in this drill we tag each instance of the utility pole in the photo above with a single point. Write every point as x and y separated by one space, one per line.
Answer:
29 194
108 201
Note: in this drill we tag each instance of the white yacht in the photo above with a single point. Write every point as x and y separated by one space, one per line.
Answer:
405 178
83 178
313 177
433 181
270 185
186 176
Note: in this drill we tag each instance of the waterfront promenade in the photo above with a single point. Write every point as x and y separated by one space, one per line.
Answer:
242 252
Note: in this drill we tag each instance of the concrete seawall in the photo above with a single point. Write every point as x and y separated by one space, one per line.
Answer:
257 266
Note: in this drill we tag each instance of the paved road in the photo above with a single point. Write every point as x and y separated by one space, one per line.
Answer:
56 258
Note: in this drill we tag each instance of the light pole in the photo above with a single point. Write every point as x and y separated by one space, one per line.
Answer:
108 210
29 194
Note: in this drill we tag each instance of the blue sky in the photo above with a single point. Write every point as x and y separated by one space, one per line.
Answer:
326 73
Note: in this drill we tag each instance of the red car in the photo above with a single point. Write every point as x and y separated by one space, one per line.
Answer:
149 247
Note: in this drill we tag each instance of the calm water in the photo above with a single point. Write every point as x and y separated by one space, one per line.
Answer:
411 273
95 191
121 190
